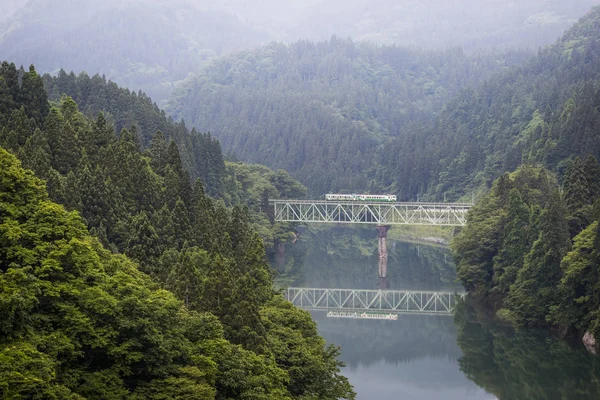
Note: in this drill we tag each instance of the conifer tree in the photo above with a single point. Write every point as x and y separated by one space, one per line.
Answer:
158 153
100 136
33 96
579 288
181 222
577 197
514 245
143 242
202 217
534 292
591 169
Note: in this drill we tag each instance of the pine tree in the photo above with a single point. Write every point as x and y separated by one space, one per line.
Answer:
100 136
202 217
33 96
577 197
579 288
35 154
534 291
158 153
143 243
576 188
591 169
515 244
181 222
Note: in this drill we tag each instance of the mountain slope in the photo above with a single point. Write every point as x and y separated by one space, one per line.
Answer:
322 110
145 44
544 112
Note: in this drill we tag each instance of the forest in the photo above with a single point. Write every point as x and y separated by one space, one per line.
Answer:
324 111
106 290
531 248
343 115
135 243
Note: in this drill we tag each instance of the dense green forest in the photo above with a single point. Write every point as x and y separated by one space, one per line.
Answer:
545 111
200 153
324 111
532 248
169 295
436 125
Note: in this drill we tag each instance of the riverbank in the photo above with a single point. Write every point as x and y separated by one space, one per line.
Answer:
430 235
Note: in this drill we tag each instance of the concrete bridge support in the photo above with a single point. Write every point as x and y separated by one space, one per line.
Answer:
383 255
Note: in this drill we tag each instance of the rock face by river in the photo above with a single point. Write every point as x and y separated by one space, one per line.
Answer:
589 341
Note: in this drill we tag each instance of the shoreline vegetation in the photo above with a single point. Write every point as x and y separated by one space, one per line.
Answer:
120 279
531 249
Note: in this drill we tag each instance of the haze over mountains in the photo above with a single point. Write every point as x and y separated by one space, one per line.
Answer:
150 44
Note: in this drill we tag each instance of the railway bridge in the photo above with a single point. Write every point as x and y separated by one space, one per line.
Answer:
379 213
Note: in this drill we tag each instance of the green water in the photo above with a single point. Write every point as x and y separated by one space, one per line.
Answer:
468 356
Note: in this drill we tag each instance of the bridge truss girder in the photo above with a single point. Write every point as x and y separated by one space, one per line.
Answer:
351 212
395 301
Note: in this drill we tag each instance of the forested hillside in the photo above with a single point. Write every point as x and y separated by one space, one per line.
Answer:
323 111
545 111
532 250
201 154
144 44
151 44
81 322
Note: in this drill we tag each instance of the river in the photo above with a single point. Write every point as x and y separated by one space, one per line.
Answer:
466 356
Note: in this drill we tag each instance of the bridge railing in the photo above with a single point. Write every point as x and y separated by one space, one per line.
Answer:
396 301
380 213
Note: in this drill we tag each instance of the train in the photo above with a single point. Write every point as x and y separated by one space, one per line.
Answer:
360 197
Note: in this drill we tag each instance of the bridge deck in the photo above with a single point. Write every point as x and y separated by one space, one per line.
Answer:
380 213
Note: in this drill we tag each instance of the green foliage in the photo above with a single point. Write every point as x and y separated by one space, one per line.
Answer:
324 111
543 112
578 288
78 321
515 249
534 291
314 371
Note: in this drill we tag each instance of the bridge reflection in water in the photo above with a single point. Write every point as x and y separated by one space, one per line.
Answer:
394 301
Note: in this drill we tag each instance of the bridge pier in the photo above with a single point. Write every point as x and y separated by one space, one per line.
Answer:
383 255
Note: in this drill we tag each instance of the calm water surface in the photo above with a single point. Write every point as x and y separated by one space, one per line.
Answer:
424 356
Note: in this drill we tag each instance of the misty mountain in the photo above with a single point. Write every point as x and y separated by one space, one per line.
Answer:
322 110
9 7
471 24
150 44
144 44
545 112
341 115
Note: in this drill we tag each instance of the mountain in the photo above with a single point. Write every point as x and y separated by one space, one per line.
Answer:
151 44
471 24
546 111
145 44
324 110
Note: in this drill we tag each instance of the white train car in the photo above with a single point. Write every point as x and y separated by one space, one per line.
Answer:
360 197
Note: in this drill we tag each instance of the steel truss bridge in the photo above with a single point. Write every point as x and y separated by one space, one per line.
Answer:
389 301
358 212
